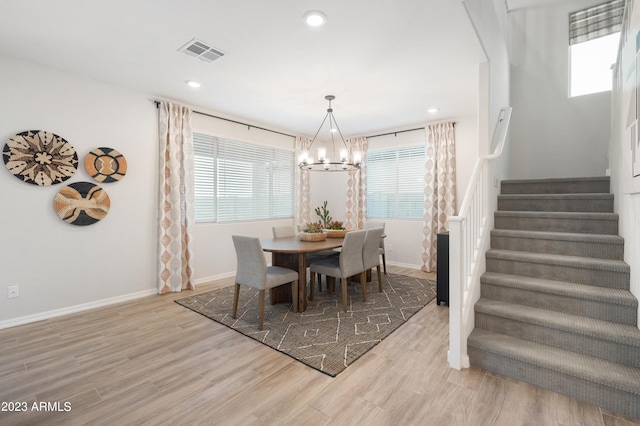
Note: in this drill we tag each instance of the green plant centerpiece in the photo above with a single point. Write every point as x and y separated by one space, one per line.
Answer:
333 228
313 232
324 215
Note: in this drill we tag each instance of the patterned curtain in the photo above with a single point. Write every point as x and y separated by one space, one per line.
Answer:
357 186
439 188
302 207
175 199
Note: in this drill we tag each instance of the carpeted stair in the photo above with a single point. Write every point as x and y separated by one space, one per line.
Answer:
555 308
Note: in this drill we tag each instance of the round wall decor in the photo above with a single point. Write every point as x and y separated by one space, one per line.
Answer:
82 203
105 165
40 158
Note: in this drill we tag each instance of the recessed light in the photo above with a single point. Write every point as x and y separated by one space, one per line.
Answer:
193 84
315 18
433 110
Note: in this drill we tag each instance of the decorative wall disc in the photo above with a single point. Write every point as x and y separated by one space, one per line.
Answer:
40 158
82 203
105 165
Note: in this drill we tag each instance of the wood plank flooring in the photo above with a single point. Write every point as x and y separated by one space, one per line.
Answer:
151 361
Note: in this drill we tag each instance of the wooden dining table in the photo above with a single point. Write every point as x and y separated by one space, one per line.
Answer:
291 252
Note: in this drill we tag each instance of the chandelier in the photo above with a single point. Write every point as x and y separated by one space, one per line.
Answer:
339 163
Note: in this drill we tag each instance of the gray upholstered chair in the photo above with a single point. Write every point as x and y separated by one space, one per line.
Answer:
347 264
252 271
374 224
283 231
371 254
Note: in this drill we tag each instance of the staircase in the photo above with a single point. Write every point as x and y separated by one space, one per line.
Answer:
555 308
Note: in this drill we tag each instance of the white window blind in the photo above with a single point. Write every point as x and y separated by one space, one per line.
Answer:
236 181
395 183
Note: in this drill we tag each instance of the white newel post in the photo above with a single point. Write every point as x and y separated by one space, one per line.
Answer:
457 336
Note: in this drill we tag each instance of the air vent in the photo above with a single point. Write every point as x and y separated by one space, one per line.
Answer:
201 50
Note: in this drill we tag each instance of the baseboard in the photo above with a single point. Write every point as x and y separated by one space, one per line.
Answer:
27 319
404 265
211 278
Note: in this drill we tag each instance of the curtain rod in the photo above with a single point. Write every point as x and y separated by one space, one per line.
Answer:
249 126
403 131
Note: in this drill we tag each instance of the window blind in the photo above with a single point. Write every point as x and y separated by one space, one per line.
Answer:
236 181
596 21
395 183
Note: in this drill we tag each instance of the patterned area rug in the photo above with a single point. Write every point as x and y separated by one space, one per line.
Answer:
323 337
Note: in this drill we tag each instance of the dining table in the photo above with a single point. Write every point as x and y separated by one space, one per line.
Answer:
291 252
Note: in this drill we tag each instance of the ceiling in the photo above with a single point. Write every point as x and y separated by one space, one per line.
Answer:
386 62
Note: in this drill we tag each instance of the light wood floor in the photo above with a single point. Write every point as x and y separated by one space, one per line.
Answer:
151 361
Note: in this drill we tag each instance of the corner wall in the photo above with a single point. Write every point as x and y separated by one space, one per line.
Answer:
552 135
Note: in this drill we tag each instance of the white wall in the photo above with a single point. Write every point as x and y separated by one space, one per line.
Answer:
552 135
624 185
57 265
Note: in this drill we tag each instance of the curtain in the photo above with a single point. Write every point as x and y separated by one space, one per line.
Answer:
357 186
439 188
176 221
302 203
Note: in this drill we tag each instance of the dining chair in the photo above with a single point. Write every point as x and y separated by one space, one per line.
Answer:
252 271
371 255
375 224
347 264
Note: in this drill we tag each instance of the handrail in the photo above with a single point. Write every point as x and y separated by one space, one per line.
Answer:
467 236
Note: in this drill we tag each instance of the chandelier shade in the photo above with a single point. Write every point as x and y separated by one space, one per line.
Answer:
330 160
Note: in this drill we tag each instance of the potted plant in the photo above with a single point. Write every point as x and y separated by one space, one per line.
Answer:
324 215
336 229
313 232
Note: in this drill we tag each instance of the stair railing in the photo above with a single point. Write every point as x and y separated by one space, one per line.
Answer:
467 234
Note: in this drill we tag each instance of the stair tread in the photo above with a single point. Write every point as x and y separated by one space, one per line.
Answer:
559 214
590 368
559 259
559 196
600 329
564 236
562 288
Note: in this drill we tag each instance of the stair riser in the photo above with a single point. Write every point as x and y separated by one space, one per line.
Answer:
560 205
581 226
556 187
595 277
611 351
568 248
568 305
575 387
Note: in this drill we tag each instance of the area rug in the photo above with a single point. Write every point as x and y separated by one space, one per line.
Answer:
323 337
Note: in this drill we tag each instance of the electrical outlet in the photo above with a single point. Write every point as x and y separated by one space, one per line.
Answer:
13 291
496 182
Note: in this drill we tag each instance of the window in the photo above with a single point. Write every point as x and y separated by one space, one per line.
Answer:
395 183
236 181
594 34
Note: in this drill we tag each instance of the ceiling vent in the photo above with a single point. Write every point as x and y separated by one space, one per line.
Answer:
201 50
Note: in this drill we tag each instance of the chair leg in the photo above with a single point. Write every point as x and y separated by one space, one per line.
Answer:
261 311
320 283
379 278
236 295
344 294
312 285
384 263
295 295
363 282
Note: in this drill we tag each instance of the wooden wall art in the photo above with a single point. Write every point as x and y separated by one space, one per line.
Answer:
105 165
40 157
82 203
